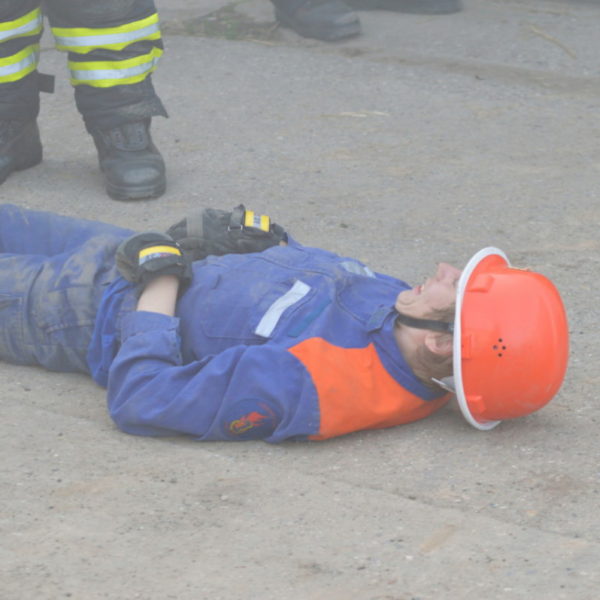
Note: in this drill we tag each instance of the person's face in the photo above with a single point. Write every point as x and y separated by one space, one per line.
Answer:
437 293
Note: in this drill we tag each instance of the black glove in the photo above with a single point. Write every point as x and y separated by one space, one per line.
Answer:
145 256
217 232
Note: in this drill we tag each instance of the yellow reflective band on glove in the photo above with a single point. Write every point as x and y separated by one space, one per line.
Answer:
258 221
81 40
156 252
29 24
17 66
106 74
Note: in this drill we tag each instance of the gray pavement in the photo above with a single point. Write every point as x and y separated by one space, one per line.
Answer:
423 140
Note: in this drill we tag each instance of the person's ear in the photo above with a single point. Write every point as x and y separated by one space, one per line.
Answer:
439 343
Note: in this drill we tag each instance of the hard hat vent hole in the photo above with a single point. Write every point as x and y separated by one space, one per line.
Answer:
499 347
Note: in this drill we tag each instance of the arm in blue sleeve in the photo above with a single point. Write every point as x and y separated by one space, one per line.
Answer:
246 392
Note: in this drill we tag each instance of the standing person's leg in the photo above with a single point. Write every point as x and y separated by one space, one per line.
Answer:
53 272
327 20
20 32
114 46
331 20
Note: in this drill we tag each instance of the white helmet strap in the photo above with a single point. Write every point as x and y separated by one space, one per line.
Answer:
446 383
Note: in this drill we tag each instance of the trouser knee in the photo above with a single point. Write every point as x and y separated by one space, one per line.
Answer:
9 9
96 13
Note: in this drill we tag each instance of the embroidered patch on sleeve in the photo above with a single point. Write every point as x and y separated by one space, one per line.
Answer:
250 420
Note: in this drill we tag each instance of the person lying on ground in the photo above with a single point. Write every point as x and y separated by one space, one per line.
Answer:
226 328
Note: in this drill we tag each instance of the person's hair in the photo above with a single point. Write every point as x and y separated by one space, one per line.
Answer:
428 364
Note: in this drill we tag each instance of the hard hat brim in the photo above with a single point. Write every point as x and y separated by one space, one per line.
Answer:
472 268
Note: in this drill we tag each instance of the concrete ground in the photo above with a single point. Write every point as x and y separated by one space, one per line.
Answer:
423 140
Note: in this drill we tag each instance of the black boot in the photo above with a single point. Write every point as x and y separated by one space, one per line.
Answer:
132 165
327 20
416 7
20 146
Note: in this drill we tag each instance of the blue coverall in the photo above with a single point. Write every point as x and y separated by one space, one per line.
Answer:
290 343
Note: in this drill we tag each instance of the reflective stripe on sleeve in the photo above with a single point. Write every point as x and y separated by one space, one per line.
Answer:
105 74
29 24
81 40
17 66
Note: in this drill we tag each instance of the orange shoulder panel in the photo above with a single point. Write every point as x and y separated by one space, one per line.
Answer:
355 391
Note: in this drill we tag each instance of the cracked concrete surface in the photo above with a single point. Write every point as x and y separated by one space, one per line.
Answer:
423 140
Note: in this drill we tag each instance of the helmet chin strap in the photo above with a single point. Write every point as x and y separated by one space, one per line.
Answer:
446 383
441 326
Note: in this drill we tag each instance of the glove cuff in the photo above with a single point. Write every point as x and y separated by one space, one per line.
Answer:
151 253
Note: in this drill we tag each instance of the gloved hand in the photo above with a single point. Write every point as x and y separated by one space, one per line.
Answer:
217 232
145 256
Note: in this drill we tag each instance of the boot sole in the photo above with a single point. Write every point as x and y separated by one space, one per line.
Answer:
323 34
414 7
126 194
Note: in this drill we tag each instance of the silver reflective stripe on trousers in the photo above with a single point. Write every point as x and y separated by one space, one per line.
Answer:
100 41
22 65
29 27
271 317
106 74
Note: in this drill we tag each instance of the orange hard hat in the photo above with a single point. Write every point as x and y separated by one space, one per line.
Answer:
511 340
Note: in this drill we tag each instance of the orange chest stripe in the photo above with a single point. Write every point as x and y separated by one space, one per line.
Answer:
355 391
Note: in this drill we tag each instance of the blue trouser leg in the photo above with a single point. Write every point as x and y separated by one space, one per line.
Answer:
25 231
53 272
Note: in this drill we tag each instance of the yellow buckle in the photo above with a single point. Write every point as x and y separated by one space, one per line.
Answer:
262 222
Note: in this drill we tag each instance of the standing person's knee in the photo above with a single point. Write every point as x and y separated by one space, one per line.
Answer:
9 8
90 14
